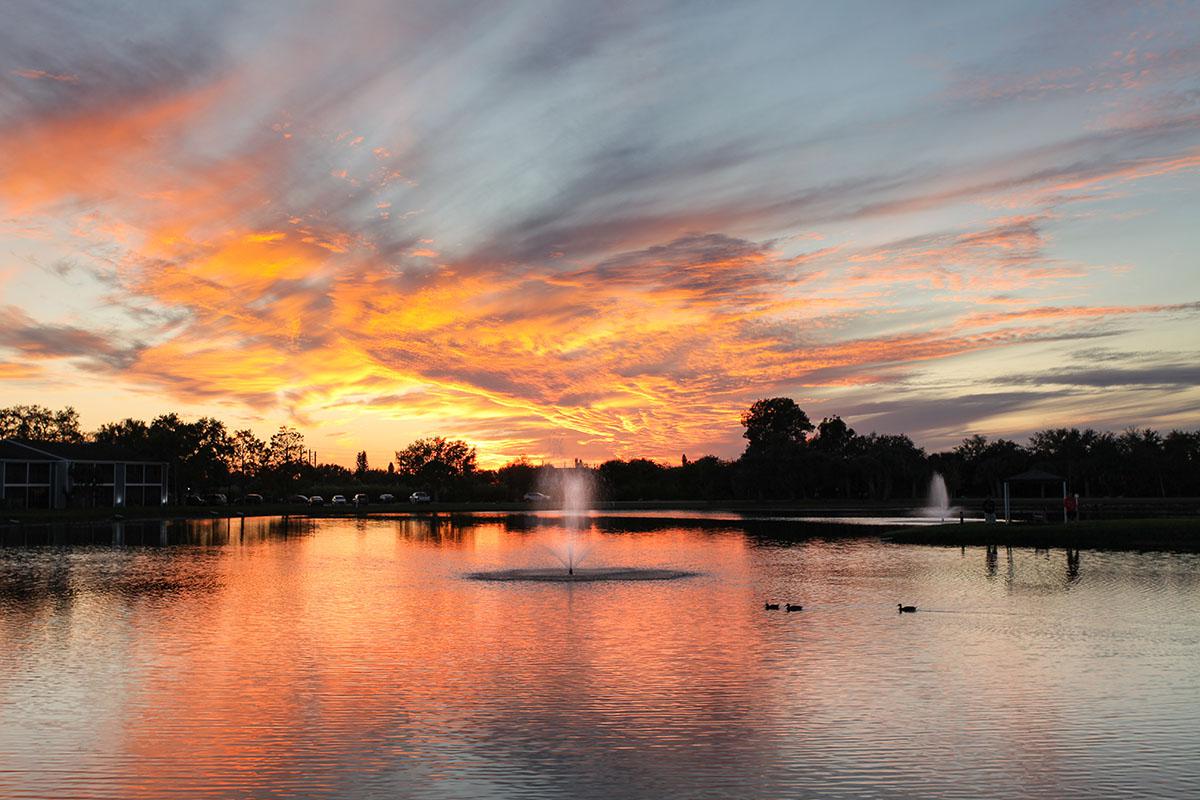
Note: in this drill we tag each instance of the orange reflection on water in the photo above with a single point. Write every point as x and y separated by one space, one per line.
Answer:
352 657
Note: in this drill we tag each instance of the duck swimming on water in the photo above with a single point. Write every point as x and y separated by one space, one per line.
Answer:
770 606
905 609
794 607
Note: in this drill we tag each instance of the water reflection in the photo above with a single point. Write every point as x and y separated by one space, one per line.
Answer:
991 555
154 533
1072 566
349 658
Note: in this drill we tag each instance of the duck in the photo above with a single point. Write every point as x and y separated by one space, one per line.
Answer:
770 606
794 607
905 609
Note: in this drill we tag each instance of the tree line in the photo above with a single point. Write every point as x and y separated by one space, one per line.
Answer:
787 458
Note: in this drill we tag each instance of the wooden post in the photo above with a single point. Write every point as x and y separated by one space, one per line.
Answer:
1064 503
1007 508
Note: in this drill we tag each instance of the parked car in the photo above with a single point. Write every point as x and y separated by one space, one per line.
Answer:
536 497
298 498
316 500
360 500
216 499
387 498
193 500
338 500
419 497
253 499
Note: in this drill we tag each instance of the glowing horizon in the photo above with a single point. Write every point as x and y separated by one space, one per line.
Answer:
560 232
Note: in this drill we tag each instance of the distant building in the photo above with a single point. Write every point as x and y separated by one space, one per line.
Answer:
77 475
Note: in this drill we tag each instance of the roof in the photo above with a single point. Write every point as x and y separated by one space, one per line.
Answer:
24 450
1035 476
13 451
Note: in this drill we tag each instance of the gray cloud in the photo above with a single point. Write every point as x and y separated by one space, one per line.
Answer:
923 416
20 332
1163 375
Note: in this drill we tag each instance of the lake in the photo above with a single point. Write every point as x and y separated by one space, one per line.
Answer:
352 658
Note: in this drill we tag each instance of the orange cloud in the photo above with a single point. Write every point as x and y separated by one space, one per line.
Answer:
41 74
298 276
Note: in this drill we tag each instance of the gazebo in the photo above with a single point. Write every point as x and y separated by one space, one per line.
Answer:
1038 476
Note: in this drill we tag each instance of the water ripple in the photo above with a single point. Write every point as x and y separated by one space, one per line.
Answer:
354 661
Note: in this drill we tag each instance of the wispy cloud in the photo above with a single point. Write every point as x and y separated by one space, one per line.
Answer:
596 231
42 75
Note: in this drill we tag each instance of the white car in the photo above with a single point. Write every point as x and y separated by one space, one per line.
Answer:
338 500
419 497
536 497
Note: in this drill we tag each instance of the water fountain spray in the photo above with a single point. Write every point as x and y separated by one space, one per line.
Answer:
576 487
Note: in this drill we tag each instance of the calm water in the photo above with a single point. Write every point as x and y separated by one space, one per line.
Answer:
350 658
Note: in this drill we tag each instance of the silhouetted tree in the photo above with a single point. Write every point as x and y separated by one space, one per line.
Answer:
1181 463
1063 451
780 461
38 423
775 422
438 463
286 449
706 478
286 462
129 433
247 457
887 462
636 479
1106 467
199 452
773 464
1143 451
985 464
517 477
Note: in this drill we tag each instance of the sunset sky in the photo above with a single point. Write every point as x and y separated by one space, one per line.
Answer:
593 230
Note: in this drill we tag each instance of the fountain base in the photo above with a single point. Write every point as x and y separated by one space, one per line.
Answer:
581 575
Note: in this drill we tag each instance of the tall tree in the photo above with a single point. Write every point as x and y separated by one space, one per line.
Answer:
286 448
775 421
834 436
199 452
360 464
248 455
438 463
773 464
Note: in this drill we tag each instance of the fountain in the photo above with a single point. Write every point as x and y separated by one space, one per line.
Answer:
937 501
576 489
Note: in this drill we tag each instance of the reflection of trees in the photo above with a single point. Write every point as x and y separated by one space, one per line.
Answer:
437 529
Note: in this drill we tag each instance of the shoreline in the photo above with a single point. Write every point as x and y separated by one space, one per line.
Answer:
778 524
1176 534
1094 509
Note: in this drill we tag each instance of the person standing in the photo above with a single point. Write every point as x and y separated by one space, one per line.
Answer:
1071 507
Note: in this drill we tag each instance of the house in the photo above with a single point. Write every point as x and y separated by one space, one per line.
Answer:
77 475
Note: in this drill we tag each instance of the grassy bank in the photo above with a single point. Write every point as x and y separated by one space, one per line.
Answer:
1178 534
